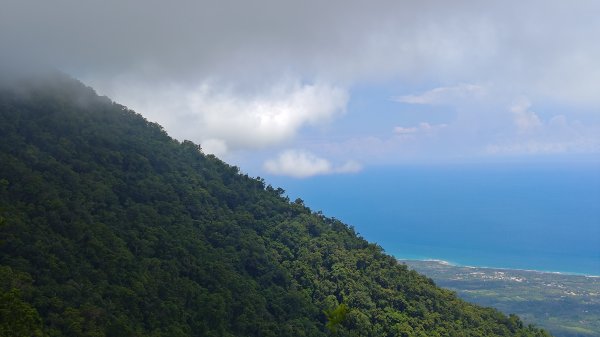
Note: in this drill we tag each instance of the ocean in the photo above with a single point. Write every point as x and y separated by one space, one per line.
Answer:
519 216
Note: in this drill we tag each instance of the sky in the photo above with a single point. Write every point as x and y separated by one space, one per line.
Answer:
307 88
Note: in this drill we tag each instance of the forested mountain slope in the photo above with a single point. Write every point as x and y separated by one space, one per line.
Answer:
109 227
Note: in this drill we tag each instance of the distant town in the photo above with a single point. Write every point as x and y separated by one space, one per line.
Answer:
566 305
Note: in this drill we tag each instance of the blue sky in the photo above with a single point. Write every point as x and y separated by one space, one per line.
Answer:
312 88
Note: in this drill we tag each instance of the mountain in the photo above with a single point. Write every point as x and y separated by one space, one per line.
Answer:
109 227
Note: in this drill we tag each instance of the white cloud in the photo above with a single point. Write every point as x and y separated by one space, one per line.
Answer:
524 119
214 146
222 119
302 164
545 47
348 167
444 95
423 127
253 75
405 130
532 135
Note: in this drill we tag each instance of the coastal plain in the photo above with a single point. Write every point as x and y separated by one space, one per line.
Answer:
566 305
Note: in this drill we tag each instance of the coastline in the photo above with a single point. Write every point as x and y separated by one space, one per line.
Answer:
454 264
566 304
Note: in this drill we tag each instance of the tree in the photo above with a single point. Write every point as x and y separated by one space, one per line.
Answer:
335 317
18 318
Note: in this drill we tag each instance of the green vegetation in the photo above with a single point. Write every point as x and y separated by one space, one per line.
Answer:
566 305
112 228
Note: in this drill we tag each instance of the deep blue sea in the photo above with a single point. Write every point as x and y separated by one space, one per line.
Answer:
535 216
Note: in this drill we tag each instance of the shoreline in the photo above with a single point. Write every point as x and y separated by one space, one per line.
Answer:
454 264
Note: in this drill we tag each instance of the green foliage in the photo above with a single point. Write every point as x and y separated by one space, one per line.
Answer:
112 228
335 317
17 317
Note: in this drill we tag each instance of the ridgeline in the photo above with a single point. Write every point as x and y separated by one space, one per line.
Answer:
109 227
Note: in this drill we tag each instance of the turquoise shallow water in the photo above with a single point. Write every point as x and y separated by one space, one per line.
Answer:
538 217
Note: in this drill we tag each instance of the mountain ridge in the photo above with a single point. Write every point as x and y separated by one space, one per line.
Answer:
109 227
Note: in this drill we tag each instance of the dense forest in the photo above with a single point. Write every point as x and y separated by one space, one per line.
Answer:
109 227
